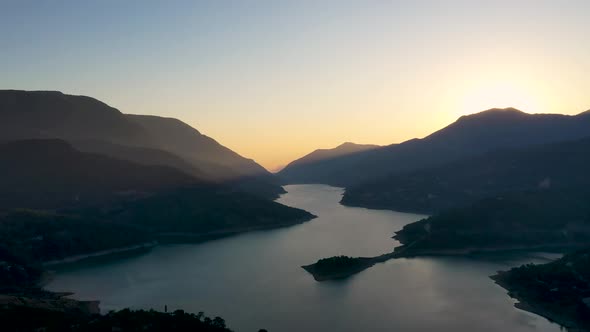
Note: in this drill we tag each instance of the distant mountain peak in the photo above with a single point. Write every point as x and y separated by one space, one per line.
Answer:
351 145
347 144
495 112
469 136
503 110
343 149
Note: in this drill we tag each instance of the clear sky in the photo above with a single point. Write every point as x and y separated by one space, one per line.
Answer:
274 80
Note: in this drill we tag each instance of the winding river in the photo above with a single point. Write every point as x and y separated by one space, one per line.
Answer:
254 280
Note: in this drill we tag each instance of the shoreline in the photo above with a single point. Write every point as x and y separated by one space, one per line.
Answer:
365 263
169 238
192 237
97 254
93 306
380 207
534 308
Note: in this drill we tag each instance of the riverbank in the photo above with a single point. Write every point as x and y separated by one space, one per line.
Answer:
103 253
188 237
563 319
167 238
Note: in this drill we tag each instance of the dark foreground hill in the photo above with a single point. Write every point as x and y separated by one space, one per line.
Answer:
540 167
25 319
469 136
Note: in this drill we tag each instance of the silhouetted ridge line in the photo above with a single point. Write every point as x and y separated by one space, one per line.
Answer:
469 136
94 126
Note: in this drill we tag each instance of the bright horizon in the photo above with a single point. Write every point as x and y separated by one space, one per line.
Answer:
275 80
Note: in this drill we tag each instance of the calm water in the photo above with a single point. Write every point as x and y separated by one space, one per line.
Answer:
255 281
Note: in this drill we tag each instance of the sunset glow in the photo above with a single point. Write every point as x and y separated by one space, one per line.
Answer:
275 80
500 94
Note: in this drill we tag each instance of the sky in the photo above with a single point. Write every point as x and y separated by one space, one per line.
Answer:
274 80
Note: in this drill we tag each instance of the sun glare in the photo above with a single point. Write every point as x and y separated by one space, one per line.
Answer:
499 94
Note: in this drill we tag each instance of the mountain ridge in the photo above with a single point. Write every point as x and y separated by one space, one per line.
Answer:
340 150
143 139
468 136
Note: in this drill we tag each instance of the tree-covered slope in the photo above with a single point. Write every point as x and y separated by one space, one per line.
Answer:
547 218
539 167
559 290
49 174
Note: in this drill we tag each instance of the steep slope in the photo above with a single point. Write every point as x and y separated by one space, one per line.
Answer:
99 191
187 142
210 157
51 114
539 167
52 174
469 136
318 155
140 155
96 127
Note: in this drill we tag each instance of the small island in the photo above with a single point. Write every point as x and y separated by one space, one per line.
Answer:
341 267
337 267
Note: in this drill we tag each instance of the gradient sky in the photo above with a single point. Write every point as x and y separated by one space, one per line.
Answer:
274 80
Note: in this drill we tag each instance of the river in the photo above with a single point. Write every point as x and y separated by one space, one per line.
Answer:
255 281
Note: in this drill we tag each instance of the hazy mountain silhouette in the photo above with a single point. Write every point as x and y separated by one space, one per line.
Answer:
185 141
93 126
49 114
324 154
51 174
144 156
468 136
539 167
212 159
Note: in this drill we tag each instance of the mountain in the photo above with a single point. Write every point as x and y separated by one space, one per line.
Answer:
51 114
538 167
295 171
93 126
212 159
82 191
469 136
183 140
139 155
50 173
